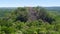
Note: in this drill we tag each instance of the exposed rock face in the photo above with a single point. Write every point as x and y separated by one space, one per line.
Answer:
32 14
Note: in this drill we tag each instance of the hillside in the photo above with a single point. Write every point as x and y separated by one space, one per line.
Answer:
53 8
4 10
29 20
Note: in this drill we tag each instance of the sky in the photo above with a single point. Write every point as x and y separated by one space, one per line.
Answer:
22 3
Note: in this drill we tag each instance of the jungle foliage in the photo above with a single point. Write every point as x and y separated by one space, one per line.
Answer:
30 20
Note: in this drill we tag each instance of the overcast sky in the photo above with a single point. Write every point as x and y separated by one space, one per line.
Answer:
19 3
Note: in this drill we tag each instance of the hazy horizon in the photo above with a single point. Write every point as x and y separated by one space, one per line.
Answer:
31 3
